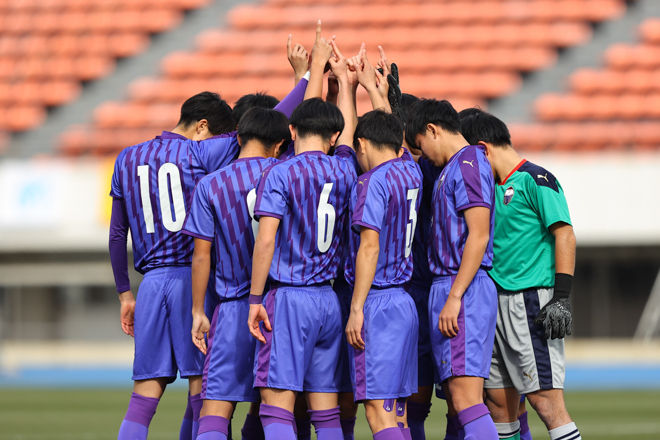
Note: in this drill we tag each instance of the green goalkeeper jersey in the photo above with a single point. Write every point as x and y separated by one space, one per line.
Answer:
527 203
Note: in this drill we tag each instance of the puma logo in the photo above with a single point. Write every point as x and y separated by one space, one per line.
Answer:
543 177
469 163
527 375
361 182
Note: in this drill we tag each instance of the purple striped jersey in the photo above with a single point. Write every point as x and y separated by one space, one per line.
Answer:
309 193
156 179
221 212
465 182
422 276
386 199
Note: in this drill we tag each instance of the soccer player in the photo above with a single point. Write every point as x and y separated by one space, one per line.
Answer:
152 187
534 260
302 207
383 325
221 216
463 299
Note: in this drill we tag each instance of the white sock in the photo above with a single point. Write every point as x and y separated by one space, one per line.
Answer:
507 430
566 432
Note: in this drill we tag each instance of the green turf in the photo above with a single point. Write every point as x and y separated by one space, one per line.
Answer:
96 414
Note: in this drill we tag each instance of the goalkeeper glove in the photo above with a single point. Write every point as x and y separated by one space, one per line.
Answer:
556 315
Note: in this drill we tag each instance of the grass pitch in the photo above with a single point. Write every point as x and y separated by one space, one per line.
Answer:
96 414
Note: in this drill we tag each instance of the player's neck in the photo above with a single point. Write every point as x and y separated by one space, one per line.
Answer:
253 148
377 157
183 132
504 161
310 143
454 143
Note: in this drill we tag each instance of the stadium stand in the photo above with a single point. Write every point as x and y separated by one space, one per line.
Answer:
49 48
437 53
615 107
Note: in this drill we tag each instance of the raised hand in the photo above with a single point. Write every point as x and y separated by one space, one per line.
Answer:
383 63
322 50
298 58
338 63
366 73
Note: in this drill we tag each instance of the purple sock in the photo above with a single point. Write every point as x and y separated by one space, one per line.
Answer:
278 423
389 434
136 422
452 428
477 423
185 433
213 428
524 427
304 428
348 428
196 405
252 429
326 423
406 433
417 414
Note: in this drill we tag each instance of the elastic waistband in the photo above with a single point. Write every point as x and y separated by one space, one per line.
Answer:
168 270
445 278
240 298
376 291
277 285
501 291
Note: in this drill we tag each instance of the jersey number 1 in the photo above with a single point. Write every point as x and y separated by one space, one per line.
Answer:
168 176
412 223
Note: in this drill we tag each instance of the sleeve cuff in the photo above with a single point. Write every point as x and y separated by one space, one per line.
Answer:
307 75
192 234
255 299
259 214
472 205
356 226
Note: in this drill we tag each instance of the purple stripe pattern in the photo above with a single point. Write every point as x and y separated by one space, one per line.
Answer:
209 346
360 370
307 192
193 160
213 423
466 181
263 358
457 343
220 209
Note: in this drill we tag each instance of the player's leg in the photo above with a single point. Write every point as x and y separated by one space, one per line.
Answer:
303 422
525 433
324 415
503 405
252 429
185 432
381 416
215 419
347 413
402 418
276 413
153 366
546 394
347 406
453 430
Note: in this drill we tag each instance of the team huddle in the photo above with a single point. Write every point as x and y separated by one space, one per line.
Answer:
320 260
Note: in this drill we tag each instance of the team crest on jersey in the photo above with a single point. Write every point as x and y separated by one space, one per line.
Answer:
508 195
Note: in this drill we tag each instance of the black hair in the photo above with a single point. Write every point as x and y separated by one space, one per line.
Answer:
246 102
478 125
267 126
209 106
316 117
383 130
407 100
431 111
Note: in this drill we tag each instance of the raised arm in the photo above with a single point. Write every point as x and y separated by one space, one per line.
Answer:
366 75
298 58
321 54
346 96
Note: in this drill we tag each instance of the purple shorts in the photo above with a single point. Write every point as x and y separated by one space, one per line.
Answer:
387 367
425 375
345 295
229 360
303 350
469 353
163 319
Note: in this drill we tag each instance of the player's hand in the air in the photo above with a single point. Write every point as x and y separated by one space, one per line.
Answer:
257 314
383 63
298 58
200 327
338 63
333 89
353 64
448 320
383 87
354 329
366 73
322 50
126 312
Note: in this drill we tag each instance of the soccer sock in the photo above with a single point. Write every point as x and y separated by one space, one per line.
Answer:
566 432
477 423
348 428
304 428
525 434
452 428
278 423
213 428
185 433
389 434
508 430
136 422
406 433
196 405
417 414
252 429
326 423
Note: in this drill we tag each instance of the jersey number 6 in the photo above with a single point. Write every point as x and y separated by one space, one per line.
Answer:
168 176
326 215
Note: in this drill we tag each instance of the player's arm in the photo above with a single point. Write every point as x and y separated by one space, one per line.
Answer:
366 262
564 248
201 270
264 247
298 58
346 96
366 75
478 224
119 260
333 89
321 53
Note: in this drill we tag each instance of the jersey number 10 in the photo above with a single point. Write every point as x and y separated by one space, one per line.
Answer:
168 177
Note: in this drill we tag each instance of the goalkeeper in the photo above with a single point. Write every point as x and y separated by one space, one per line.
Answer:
533 264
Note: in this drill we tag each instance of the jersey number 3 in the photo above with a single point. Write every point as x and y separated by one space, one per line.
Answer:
412 223
172 206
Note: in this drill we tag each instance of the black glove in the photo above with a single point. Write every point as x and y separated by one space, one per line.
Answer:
394 94
556 315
